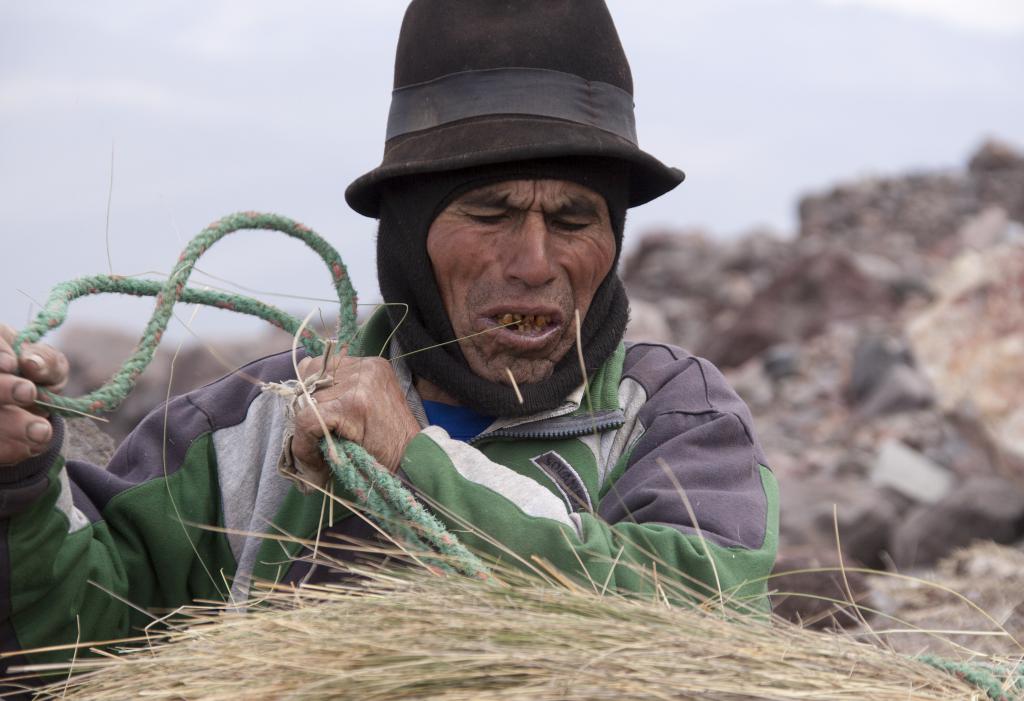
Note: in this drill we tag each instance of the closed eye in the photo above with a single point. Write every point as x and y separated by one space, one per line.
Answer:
568 225
488 218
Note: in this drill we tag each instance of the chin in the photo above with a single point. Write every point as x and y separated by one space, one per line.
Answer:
526 371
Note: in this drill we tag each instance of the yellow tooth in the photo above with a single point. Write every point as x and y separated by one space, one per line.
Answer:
506 319
542 321
529 320
518 317
521 328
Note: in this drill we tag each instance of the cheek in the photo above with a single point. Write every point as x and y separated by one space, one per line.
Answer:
457 260
588 267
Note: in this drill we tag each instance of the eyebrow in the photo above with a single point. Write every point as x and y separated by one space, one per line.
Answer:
575 206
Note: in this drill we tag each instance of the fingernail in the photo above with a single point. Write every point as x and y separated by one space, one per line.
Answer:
24 393
38 432
33 360
8 363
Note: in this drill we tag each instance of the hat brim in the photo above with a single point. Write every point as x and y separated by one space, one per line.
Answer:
502 139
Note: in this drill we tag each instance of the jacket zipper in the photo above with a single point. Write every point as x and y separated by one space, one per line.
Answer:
549 433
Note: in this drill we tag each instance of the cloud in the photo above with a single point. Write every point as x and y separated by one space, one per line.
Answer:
1004 17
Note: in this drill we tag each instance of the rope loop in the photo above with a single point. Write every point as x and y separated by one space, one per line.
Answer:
381 494
999 683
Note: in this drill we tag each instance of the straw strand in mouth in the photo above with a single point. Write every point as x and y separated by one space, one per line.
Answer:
512 379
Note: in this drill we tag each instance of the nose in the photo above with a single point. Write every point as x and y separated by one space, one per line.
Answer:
527 260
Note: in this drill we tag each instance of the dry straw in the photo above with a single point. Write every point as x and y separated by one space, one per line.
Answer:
412 635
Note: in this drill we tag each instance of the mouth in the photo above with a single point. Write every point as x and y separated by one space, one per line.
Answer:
523 330
526 324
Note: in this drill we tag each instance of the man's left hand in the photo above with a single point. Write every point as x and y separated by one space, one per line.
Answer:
363 404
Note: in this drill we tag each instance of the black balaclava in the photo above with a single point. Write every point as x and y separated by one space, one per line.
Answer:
408 208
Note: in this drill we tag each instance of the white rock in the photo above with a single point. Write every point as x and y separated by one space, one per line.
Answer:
647 323
900 467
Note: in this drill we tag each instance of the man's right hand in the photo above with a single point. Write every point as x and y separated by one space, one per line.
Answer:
24 430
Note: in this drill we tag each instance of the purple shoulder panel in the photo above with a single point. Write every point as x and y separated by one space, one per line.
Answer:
678 381
226 401
698 438
158 445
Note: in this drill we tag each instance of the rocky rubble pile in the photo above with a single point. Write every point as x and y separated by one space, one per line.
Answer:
882 353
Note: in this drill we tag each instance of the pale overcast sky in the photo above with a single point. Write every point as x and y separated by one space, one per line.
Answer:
217 106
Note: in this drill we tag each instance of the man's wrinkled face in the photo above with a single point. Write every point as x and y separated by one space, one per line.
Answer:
516 260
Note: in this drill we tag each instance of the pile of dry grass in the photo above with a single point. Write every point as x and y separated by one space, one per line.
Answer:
989 575
417 636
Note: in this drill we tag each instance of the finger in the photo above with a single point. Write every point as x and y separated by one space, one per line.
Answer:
17 390
43 364
331 364
307 366
306 441
22 435
8 361
343 419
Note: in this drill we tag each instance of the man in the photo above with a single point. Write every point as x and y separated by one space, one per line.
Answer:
509 163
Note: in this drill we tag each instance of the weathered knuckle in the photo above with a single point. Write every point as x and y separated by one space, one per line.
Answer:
328 403
14 444
338 360
7 383
39 349
382 367
54 361
40 362
304 419
343 365
300 445
328 394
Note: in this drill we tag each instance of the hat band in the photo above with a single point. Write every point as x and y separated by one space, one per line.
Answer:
528 91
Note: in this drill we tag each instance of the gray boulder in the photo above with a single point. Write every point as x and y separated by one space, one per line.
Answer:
821 285
866 516
905 470
902 388
883 379
810 598
997 173
647 323
85 441
981 508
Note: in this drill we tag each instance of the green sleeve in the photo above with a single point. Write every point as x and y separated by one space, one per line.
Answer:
626 556
75 577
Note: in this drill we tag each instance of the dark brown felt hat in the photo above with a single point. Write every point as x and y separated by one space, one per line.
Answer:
479 82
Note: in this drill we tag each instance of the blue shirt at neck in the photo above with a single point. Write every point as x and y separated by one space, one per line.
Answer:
461 423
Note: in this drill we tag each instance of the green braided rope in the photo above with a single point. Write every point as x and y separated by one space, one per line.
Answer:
994 681
382 494
407 518
107 397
